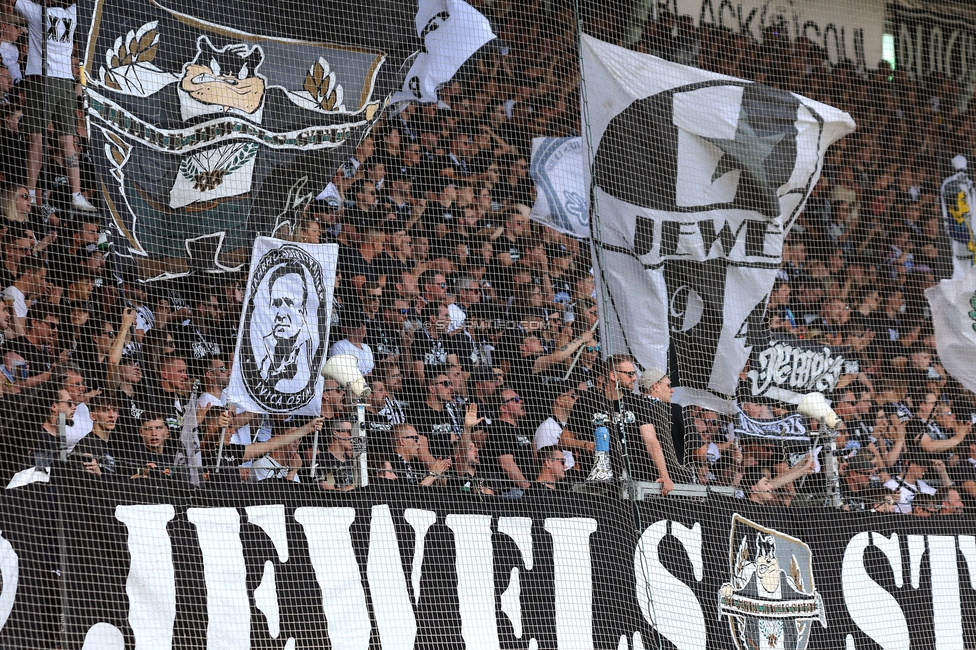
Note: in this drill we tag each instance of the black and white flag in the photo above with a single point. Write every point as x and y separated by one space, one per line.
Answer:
284 330
562 201
450 32
696 180
957 195
953 305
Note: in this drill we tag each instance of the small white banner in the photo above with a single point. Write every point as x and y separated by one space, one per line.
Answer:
562 195
953 304
284 332
450 32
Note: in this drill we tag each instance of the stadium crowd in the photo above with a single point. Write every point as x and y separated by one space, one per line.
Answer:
475 327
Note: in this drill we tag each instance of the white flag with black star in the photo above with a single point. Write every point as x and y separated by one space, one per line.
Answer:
696 180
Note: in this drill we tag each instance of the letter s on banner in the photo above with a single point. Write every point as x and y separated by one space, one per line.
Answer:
10 571
667 603
872 608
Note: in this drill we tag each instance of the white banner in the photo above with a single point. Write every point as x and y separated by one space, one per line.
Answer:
953 304
562 196
284 331
450 32
697 179
957 197
846 30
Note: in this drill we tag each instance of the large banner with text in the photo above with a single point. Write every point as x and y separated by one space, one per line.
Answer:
290 567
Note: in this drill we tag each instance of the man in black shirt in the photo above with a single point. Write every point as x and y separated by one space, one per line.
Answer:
552 468
653 411
334 467
97 450
509 452
430 347
37 349
154 455
607 404
405 462
168 398
432 418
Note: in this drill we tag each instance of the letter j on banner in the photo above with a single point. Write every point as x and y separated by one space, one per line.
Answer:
284 329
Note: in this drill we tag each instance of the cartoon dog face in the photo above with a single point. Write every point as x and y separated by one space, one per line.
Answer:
226 77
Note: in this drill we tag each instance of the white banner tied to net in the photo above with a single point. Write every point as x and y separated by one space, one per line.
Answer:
697 179
953 304
284 329
562 196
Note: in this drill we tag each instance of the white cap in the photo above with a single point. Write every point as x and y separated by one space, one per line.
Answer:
959 162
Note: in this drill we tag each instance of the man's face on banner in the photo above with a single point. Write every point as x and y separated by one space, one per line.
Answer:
288 303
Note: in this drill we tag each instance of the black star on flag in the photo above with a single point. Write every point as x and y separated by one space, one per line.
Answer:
696 180
748 152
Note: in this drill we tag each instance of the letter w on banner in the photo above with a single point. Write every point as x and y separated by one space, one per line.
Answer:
696 180
284 330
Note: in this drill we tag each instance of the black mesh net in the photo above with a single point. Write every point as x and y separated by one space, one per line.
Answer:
487 325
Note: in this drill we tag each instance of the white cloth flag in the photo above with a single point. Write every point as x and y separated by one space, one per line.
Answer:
953 304
697 179
956 197
451 31
559 170
284 331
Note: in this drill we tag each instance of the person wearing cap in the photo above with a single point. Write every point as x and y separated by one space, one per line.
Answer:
653 409
98 450
859 474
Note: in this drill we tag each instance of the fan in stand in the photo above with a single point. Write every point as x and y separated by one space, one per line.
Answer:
344 370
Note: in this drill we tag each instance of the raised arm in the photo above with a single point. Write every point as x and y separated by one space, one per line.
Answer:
562 354
258 449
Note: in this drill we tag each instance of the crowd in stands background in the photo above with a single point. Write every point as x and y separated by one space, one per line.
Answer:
467 318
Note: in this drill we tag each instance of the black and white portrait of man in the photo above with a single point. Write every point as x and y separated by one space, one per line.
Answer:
284 328
285 354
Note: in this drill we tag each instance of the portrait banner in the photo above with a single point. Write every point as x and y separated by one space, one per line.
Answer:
284 330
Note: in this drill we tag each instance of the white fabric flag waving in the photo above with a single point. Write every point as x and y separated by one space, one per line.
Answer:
696 180
450 32
284 332
559 170
953 304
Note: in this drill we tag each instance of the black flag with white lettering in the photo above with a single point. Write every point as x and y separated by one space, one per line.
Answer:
696 180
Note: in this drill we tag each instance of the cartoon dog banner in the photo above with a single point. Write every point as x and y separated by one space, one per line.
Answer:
206 134
284 328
